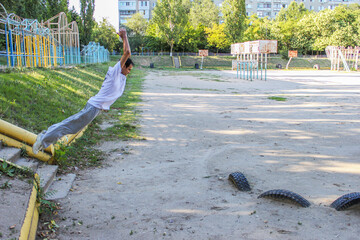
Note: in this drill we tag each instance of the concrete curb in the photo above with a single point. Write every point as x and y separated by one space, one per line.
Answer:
30 223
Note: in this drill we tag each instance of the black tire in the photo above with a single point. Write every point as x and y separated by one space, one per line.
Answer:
286 194
346 201
279 66
240 181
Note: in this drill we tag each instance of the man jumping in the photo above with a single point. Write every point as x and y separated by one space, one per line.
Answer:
111 89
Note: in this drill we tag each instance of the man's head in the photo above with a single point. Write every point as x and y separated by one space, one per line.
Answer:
127 67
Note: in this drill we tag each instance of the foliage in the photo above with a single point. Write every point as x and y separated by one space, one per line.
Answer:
192 39
54 7
170 18
34 9
136 27
105 34
216 37
152 41
7 169
234 14
11 169
87 8
292 12
46 206
204 12
257 28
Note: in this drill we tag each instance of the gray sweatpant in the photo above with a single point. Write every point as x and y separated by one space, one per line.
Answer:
71 125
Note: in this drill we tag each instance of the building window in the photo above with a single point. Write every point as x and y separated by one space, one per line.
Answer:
264 5
127 12
311 7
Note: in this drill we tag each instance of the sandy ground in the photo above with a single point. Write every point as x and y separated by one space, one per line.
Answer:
202 126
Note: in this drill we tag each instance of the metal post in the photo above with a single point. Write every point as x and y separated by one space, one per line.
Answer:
261 67
265 65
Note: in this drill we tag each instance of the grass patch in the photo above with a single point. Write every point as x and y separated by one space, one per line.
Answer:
281 99
34 99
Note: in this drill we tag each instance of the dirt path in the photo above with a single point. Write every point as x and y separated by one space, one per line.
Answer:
200 127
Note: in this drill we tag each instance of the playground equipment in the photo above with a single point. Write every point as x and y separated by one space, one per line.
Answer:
67 35
29 43
94 53
343 58
251 58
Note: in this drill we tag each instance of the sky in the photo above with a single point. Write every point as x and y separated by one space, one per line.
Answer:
103 9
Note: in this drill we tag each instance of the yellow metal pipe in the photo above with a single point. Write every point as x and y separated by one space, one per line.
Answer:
14 143
20 134
69 139
12 131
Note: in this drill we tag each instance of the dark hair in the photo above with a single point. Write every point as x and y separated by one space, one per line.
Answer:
128 62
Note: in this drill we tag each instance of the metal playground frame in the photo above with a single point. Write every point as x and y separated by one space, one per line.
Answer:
343 58
251 58
55 42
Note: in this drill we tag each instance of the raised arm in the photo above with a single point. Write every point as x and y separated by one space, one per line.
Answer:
126 47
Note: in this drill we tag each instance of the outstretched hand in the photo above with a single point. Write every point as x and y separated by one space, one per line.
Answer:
122 33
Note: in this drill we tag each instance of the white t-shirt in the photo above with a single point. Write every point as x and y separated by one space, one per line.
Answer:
111 89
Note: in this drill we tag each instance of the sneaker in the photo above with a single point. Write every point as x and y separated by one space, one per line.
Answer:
37 145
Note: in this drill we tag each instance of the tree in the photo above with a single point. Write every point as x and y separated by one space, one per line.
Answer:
191 39
105 34
34 9
292 12
87 8
306 33
152 41
136 26
217 38
234 14
204 12
170 18
285 25
257 28
56 6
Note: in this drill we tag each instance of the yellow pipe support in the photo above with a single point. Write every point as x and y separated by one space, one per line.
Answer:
14 143
11 131
20 134
68 139
28 229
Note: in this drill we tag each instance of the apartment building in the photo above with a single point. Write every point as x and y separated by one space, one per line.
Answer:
130 7
262 8
270 8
